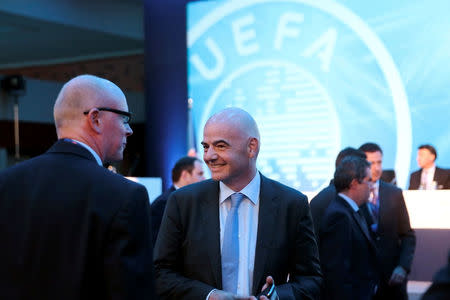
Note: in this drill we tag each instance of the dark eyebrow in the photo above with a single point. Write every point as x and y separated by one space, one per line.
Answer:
215 143
220 141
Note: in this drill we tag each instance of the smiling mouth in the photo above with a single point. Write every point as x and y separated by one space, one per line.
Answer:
215 166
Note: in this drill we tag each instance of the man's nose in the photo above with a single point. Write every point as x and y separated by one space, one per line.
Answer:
209 154
129 131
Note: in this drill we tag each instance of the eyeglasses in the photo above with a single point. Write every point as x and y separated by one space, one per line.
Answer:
126 115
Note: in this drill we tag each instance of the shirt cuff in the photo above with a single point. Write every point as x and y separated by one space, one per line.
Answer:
213 290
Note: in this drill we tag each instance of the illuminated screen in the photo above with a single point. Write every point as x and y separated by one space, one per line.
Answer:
319 76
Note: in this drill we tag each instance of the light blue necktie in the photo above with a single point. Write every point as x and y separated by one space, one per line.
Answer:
230 247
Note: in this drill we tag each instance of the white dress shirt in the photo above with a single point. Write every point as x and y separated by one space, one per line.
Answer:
248 229
427 178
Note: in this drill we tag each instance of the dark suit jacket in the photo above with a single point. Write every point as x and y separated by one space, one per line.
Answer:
319 204
188 256
71 229
441 176
347 254
157 209
395 239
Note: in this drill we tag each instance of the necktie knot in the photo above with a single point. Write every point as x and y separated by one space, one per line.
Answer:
236 199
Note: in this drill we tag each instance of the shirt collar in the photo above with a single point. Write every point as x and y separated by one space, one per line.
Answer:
431 169
376 185
350 201
97 158
251 190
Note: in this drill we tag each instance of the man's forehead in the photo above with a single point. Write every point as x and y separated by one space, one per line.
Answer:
374 155
221 131
425 151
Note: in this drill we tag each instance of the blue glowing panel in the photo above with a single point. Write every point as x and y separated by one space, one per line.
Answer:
321 75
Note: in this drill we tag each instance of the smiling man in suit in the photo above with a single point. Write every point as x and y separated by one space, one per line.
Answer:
70 228
233 235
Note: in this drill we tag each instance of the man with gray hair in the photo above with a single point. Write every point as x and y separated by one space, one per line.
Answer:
238 233
70 228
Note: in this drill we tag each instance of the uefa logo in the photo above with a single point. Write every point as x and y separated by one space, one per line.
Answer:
312 74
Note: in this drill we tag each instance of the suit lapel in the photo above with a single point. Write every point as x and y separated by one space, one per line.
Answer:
364 228
211 227
358 218
267 217
440 177
383 199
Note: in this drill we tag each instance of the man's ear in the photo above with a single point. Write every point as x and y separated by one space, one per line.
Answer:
94 121
184 177
353 183
253 146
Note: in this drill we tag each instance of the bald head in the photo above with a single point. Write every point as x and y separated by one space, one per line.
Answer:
81 94
231 146
93 111
238 119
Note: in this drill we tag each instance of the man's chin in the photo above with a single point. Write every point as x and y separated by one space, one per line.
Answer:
217 176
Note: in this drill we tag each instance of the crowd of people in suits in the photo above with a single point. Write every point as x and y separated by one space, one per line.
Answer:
72 229
387 220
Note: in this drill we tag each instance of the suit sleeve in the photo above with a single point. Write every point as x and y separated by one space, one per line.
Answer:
336 256
170 282
317 209
305 278
128 264
406 235
157 210
414 180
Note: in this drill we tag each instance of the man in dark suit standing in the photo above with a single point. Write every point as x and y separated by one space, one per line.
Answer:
234 235
429 177
70 228
321 201
388 218
187 170
348 255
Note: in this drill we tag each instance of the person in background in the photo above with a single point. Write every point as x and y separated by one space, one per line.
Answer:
388 218
429 177
321 201
348 255
70 228
238 233
187 170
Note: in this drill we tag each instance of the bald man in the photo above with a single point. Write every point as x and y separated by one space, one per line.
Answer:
70 228
238 233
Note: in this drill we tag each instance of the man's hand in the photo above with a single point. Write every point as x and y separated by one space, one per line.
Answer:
222 295
398 276
269 282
